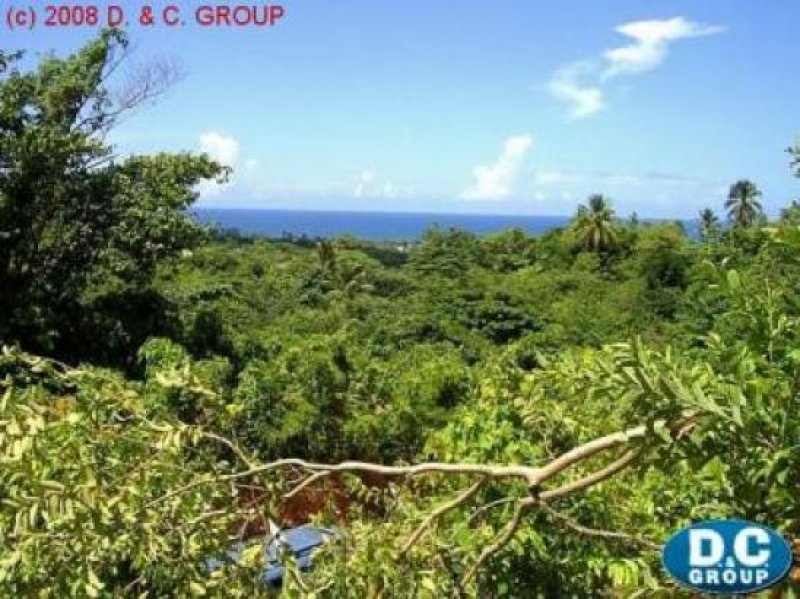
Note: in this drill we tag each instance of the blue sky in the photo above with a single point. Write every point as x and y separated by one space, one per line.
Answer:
509 107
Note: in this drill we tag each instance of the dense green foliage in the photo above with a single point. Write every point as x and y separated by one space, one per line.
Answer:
71 214
189 361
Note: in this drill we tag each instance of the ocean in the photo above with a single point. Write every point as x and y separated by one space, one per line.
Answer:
373 226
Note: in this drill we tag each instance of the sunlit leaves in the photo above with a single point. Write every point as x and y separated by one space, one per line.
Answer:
85 508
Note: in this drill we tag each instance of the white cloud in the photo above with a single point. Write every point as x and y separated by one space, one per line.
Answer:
579 84
496 181
631 190
584 100
369 185
365 185
222 148
389 190
651 43
225 150
553 177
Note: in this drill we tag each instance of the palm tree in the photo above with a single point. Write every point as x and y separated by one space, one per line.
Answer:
791 214
345 279
594 224
743 205
708 222
326 253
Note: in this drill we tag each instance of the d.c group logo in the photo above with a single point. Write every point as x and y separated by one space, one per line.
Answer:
727 556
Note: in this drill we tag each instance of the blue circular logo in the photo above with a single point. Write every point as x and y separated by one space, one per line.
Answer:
727 556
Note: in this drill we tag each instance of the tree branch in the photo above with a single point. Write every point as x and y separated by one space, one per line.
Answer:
522 507
439 512
320 471
238 451
593 532
591 479
533 476
587 450
490 506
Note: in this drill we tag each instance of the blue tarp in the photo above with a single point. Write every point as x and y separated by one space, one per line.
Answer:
301 542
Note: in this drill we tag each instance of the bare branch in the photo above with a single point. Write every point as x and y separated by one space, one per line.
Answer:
238 451
584 451
587 450
522 507
591 479
146 82
439 512
593 532
533 476
143 84
490 506
320 471
307 482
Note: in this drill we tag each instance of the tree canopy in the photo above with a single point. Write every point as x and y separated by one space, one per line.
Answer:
71 212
